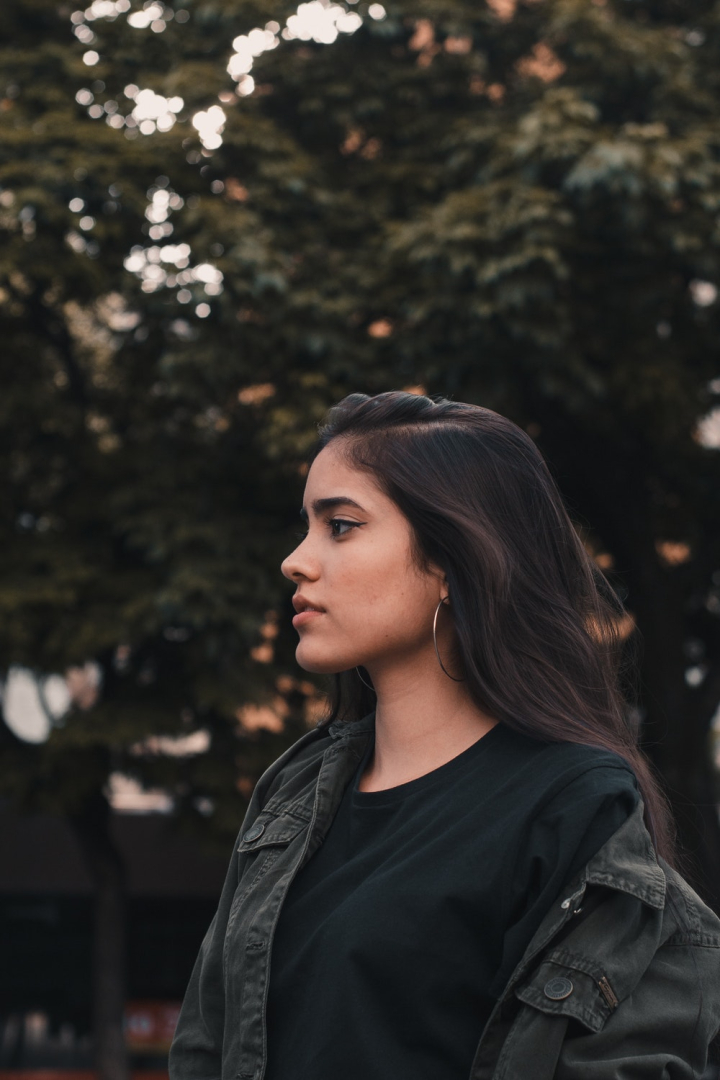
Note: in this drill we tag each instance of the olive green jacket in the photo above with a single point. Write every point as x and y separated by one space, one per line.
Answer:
620 982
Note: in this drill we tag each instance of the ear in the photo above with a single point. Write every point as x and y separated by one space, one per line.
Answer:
437 571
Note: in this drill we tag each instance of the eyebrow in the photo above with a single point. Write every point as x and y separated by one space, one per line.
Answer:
327 504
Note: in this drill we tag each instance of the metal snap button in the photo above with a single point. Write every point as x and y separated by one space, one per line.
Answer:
557 989
254 832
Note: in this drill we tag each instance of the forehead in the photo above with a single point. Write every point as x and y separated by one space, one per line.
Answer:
331 475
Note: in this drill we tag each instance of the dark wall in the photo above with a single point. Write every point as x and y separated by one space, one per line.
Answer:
46 943
46 912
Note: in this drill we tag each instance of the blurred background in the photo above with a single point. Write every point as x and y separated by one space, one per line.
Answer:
217 218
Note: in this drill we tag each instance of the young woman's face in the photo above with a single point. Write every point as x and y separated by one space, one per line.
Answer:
355 565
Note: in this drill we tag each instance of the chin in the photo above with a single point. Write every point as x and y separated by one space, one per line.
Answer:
320 665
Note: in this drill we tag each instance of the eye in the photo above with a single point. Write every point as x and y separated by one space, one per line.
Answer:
337 526
339 521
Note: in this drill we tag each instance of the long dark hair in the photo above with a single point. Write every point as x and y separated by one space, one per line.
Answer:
538 624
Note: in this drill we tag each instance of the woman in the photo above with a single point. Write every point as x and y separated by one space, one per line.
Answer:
465 870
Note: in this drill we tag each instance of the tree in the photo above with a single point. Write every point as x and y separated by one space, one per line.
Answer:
530 196
514 204
140 527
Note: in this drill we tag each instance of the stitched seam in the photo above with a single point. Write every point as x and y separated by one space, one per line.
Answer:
568 959
652 895
692 919
572 1007
261 841
239 897
700 941
505 1051
272 857
295 809
264 840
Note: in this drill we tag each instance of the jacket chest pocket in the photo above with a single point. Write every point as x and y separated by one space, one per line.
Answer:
569 988
562 989
262 846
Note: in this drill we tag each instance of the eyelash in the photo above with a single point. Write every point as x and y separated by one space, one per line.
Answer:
329 523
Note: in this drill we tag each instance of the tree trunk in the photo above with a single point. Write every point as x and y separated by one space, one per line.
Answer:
677 725
92 827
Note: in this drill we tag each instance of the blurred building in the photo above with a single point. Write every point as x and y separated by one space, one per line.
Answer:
46 920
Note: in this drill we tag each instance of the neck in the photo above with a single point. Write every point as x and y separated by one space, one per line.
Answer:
422 720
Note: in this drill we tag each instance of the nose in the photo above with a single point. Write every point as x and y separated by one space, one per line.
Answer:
299 564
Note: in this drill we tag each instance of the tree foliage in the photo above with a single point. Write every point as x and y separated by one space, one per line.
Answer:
514 204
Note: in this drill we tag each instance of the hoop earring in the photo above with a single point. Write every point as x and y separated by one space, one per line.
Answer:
437 609
366 683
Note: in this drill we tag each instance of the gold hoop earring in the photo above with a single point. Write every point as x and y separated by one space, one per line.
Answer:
366 683
437 653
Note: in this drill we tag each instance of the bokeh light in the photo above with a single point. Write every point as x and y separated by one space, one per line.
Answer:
708 430
105 9
168 265
153 112
147 265
321 22
704 293
209 124
317 20
247 47
153 13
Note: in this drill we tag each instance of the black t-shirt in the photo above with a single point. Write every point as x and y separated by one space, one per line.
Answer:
398 935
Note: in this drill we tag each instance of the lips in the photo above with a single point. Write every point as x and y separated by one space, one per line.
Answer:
306 610
306 616
301 603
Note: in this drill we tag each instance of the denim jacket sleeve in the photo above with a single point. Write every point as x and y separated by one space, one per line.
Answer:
662 1030
631 993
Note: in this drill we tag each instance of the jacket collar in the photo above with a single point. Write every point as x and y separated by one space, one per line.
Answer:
344 729
627 862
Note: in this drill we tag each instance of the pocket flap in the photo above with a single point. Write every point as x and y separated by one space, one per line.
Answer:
563 989
268 829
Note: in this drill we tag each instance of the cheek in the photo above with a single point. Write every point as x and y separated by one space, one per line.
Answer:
381 597
377 606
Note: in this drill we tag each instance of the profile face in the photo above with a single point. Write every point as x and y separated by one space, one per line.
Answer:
355 565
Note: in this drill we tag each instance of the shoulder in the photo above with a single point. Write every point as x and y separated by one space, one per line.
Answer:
575 798
588 770
550 773
692 921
